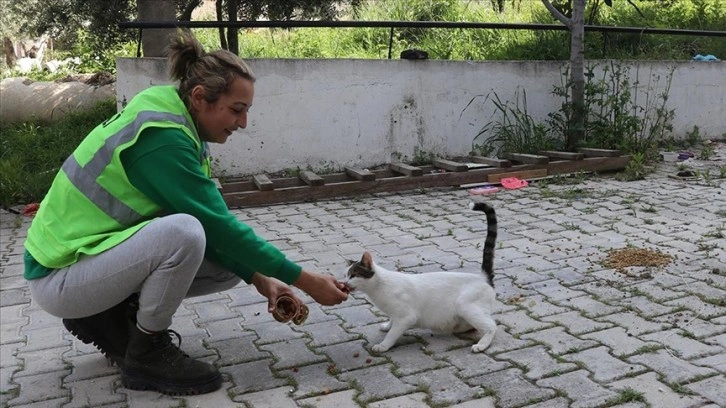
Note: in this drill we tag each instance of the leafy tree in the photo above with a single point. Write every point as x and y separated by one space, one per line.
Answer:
10 28
572 14
79 25
10 25
63 19
285 10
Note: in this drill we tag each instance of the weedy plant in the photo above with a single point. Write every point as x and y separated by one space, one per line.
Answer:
693 137
635 169
621 113
515 130
706 153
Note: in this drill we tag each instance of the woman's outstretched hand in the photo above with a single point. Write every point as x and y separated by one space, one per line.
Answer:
325 289
272 289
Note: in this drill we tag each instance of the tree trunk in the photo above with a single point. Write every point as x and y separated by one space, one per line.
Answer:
577 74
220 17
498 5
9 52
576 24
232 36
155 40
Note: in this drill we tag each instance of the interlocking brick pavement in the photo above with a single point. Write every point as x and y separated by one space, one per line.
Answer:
572 332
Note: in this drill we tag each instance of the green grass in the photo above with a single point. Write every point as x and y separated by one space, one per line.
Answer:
629 395
32 152
650 348
488 44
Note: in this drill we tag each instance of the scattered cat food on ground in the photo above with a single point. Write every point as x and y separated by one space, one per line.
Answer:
516 299
625 257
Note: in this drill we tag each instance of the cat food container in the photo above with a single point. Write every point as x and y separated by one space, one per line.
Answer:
669 156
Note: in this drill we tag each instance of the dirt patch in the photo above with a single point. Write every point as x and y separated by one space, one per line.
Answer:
626 257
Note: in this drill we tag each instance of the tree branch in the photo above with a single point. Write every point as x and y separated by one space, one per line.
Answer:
186 15
593 12
636 8
556 13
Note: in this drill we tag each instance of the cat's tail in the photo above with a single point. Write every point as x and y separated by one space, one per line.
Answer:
487 264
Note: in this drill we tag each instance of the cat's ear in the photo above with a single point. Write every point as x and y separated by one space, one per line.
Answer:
367 260
350 262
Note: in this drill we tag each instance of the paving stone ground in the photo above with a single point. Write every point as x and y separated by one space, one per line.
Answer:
572 332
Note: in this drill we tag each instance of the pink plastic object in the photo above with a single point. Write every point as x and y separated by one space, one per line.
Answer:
511 183
483 190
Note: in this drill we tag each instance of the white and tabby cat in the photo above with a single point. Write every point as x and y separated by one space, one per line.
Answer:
448 302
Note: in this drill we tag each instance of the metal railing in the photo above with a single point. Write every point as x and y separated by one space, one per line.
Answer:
392 25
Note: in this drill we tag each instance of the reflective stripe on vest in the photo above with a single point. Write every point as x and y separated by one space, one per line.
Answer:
84 177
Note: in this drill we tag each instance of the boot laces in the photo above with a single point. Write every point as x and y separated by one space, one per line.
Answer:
170 351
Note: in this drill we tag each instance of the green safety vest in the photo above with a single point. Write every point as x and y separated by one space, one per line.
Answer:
91 205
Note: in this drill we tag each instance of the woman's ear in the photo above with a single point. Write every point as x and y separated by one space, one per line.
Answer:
197 97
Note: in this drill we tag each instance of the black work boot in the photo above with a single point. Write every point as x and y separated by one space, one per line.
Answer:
154 362
109 330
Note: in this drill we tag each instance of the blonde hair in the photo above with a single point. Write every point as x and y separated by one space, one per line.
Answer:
214 71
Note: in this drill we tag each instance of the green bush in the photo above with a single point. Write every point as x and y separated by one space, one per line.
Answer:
33 152
620 114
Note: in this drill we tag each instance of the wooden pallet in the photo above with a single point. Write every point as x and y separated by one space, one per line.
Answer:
308 186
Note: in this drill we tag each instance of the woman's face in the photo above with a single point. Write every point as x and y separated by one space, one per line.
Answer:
216 121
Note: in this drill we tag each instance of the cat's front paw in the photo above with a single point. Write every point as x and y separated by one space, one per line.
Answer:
379 348
478 348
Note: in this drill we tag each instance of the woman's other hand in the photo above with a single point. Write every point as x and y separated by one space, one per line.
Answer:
325 289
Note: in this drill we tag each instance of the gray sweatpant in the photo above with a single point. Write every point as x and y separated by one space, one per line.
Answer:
163 262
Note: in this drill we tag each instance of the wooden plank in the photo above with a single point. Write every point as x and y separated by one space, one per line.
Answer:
311 178
450 165
247 185
262 182
588 152
360 174
562 155
588 164
406 169
394 184
527 158
218 184
491 161
523 175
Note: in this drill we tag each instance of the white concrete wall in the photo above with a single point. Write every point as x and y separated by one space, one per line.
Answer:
333 113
